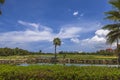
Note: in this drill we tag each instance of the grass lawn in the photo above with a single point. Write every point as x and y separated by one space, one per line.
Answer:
60 56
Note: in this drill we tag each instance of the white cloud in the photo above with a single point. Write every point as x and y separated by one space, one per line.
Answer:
35 25
73 32
75 13
27 36
39 33
85 27
94 43
75 40
97 42
91 26
69 32
101 32
98 38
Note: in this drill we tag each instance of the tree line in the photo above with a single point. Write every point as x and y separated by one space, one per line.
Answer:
104 53
21 52
16 51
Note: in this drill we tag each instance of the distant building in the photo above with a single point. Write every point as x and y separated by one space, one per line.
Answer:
110 50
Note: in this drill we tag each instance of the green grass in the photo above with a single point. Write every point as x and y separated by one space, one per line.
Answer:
76 56
57 72
81 57
90 57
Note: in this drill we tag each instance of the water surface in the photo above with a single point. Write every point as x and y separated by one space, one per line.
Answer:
106 65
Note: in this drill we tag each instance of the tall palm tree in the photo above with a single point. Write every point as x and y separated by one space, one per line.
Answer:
114 34
1 2
56 42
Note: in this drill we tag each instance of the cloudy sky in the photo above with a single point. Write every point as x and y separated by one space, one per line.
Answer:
33 24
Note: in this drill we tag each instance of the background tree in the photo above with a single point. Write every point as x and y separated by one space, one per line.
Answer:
1 2
56 42
114 34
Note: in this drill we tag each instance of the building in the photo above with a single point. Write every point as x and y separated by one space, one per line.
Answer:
109 50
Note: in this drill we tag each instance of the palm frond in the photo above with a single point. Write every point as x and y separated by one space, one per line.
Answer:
111 40
111 27
115 3
112 18
112 12
113 15
113 33
0 12
2 1
112 36
57 41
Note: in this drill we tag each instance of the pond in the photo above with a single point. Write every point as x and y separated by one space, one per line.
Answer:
106 65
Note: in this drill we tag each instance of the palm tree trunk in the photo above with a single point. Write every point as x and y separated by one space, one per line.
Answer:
55 52
118 52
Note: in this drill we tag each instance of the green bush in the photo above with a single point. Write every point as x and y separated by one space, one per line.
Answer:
57 72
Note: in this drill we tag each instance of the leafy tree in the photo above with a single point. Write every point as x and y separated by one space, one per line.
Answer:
1 2
56 42
16 51
114 34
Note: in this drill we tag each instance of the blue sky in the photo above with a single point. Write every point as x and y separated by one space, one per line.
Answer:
33 24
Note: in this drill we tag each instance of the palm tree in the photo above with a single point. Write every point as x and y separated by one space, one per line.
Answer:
114 15
1 2
56 42
114 34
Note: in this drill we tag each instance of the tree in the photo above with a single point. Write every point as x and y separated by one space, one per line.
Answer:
114 29
1 2
114 34
56 42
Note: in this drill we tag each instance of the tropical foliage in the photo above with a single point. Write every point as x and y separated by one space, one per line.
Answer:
56 42
1 2
114 29
15 51
58 72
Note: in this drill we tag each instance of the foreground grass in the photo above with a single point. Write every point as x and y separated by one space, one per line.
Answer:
57 72
76 56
